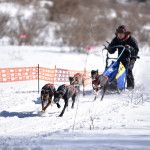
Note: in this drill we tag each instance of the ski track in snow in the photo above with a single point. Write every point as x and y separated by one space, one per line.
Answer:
120 121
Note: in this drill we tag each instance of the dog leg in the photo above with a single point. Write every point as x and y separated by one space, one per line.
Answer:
104 90
42 102
83 84
58 105
49 102
73 101
96 92
65 105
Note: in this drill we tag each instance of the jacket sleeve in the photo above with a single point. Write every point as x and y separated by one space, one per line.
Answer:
111 48
134 45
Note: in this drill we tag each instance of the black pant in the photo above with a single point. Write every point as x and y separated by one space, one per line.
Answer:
129 67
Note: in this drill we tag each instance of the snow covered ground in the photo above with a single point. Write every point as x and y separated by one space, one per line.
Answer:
120 121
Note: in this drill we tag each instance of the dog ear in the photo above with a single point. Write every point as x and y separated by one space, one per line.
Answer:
92 72
42 91
97 70
70 78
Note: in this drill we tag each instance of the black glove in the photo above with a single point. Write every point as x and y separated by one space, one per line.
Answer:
134 58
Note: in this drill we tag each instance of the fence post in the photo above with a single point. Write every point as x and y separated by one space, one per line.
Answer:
54 75
85 72
38 79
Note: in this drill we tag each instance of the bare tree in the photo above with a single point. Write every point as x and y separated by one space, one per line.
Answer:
89 22
3 24
81 22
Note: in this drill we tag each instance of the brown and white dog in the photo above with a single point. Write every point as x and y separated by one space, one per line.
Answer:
99 82
77 80
47 92
65 92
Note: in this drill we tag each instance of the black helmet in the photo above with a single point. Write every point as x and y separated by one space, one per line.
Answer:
121 29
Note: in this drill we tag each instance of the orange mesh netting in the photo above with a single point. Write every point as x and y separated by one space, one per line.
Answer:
33 73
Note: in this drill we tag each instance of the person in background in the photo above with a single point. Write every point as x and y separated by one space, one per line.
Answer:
123 37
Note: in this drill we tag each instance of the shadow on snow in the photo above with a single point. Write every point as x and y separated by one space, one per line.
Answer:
37 101
18 114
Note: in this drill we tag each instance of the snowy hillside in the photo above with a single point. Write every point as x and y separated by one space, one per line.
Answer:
120 121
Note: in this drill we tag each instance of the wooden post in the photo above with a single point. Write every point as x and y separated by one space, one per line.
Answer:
54 75
38 78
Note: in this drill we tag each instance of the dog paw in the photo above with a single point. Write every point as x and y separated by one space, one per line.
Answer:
40 113
42 110
58 105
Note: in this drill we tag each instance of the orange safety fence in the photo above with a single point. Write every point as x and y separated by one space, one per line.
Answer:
18 74
47 74
39 73
62 75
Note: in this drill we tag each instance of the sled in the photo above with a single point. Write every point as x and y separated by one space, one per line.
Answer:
115 73
113 79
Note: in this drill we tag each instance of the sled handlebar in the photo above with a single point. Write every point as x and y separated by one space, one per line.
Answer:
135 57
118 46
